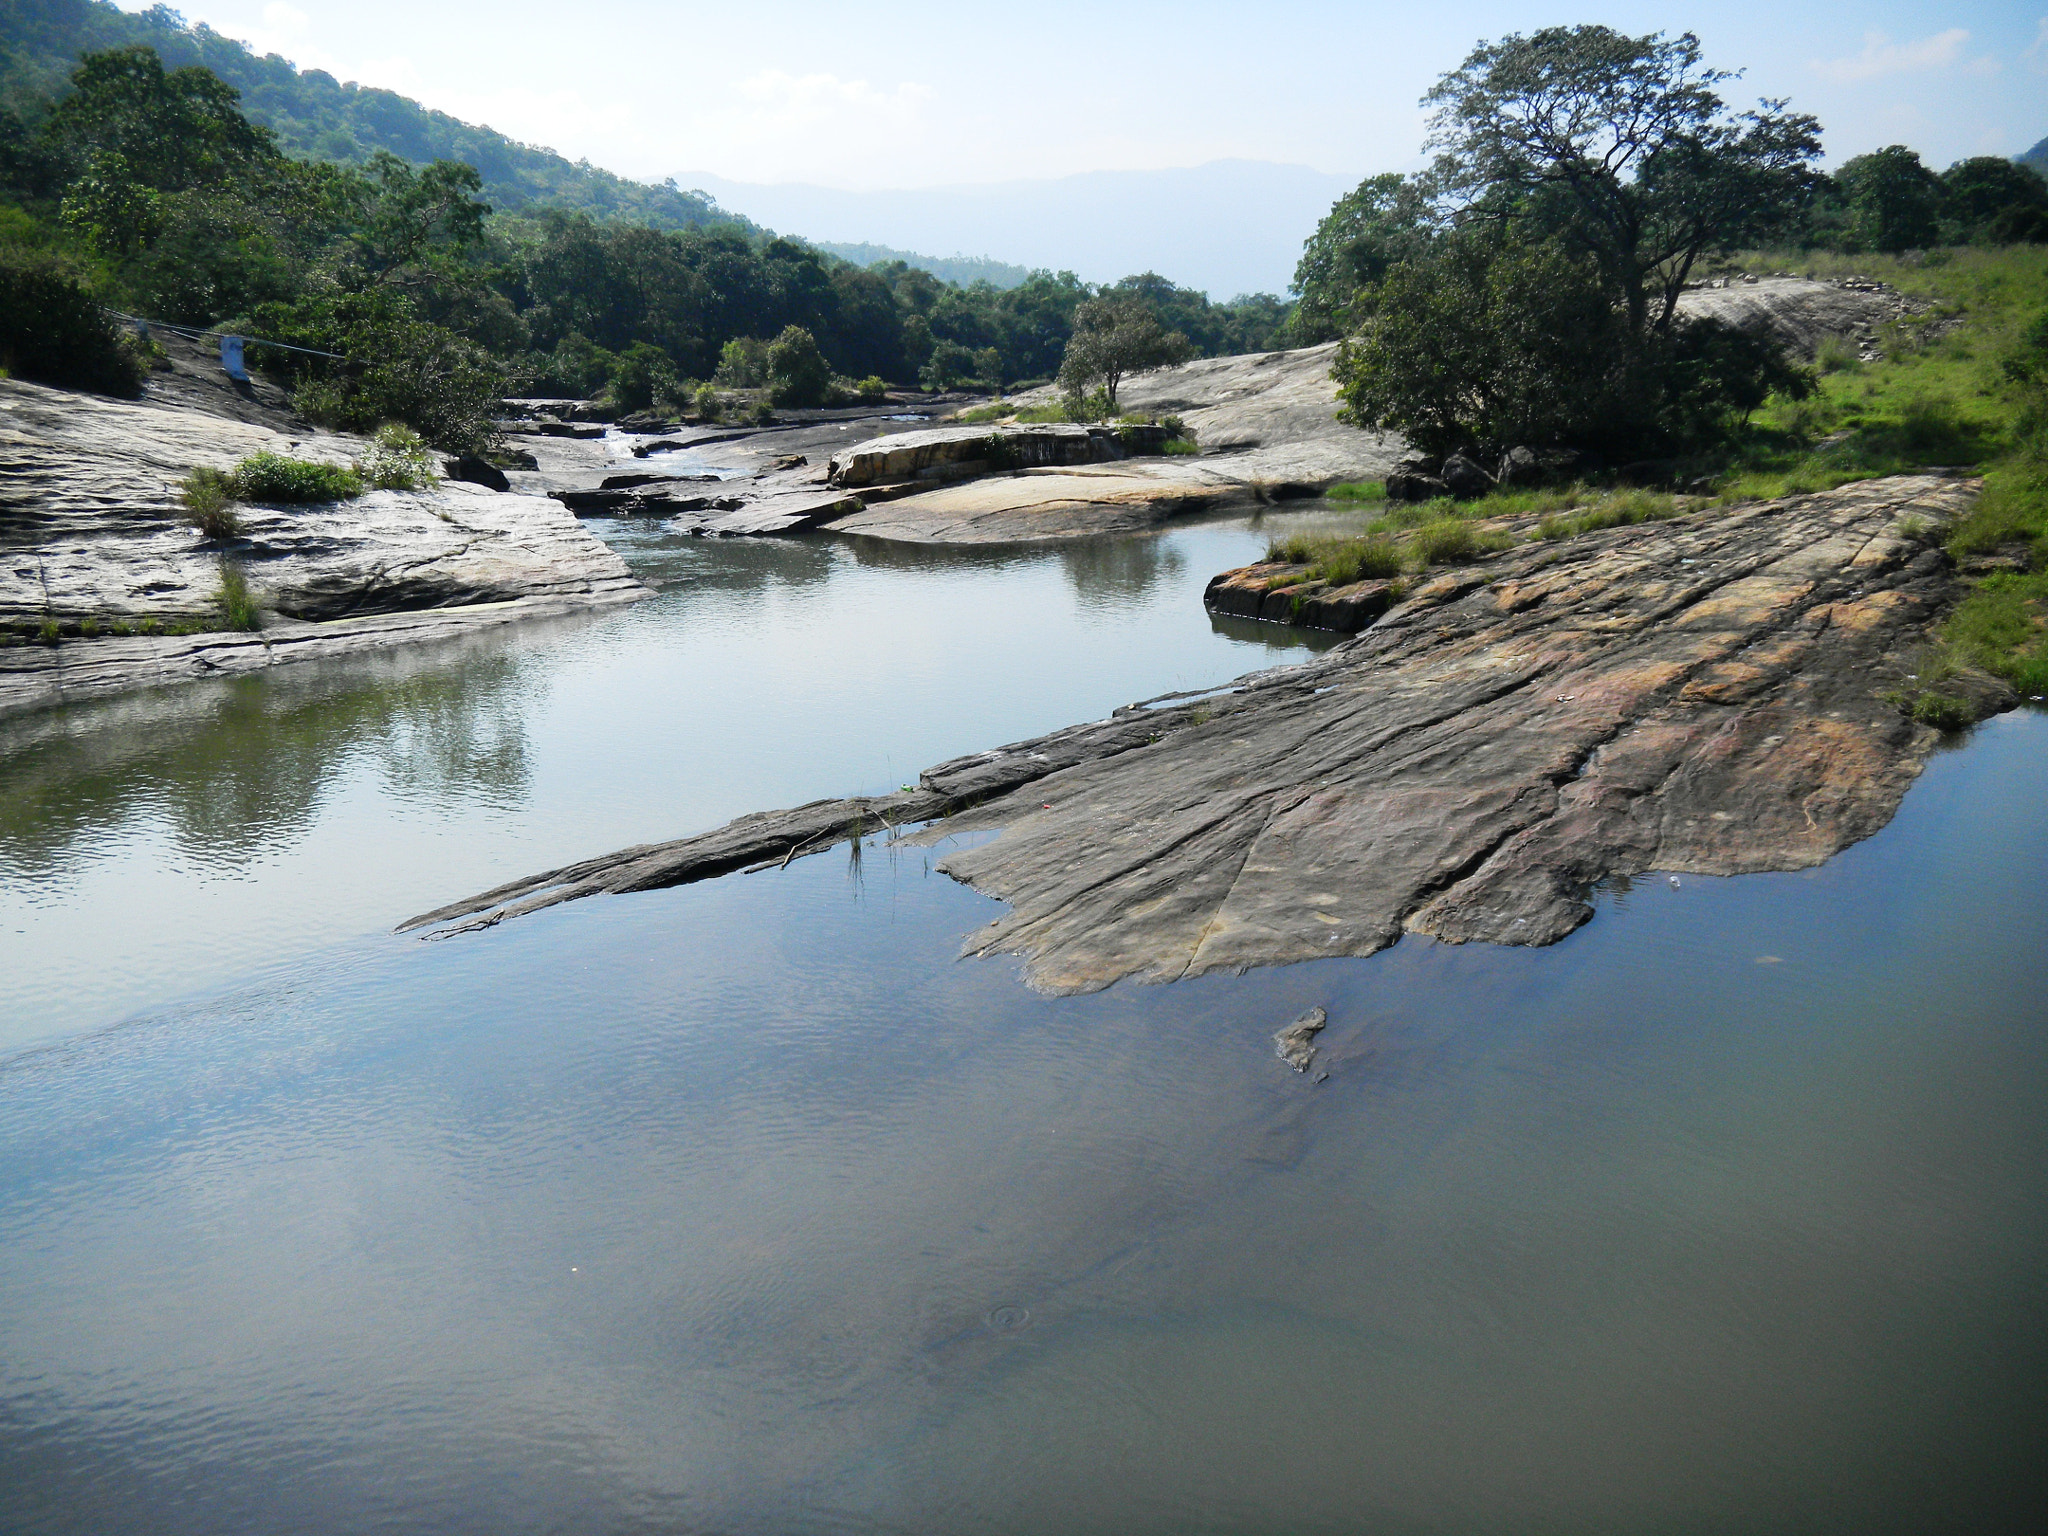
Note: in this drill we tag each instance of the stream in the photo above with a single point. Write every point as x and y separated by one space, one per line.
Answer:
750 1207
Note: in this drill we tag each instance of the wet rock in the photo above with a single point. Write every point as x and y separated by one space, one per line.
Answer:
1296 1044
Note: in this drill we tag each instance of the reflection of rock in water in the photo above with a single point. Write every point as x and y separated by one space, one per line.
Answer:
238 768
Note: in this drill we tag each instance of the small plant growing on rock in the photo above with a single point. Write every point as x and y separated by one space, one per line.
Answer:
706 403
398 460
237 603
273 477
209 498
1942 712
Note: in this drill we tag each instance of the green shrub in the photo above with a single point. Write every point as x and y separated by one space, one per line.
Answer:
398 460
209 497
707 404
798 374
52 331
642 375
1942 712
1180 447
872 390
273 477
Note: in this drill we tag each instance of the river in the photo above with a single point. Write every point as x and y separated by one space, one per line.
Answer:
750 1207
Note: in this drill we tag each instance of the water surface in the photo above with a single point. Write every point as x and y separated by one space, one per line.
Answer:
749 1207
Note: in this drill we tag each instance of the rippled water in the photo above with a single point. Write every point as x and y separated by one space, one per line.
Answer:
748 1207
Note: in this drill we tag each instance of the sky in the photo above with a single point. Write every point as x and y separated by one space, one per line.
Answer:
911 95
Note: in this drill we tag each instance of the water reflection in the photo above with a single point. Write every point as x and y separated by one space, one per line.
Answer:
236 770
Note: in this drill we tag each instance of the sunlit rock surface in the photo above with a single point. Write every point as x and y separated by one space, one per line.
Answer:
1700 695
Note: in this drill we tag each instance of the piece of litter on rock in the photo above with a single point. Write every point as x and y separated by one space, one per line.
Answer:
1674 882
1048 807
1521 922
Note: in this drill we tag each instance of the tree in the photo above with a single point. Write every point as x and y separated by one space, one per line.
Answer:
1369 229
1619 147
1115 336
1988 198
1483 339
171 131
797 371
1894 201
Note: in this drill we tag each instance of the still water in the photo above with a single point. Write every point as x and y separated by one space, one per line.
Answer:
747 1207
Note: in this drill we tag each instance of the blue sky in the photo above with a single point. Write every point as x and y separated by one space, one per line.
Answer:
911 95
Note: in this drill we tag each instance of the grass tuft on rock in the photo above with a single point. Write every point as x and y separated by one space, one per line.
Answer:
237 604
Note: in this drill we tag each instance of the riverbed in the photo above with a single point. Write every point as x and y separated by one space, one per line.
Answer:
749 1206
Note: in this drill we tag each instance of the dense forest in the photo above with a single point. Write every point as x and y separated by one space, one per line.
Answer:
149 189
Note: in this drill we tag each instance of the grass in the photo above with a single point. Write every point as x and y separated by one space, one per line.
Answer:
1620 509
1357 490
1337 560
237 603
209 498
1965 385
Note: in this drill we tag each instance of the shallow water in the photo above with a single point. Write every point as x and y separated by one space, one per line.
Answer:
748 1207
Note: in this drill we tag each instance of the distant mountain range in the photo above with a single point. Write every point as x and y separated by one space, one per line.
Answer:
964 270
1228 227
2037 157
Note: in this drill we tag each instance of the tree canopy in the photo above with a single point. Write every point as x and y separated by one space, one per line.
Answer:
1622 148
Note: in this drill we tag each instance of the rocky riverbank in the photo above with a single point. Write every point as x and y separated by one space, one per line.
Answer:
1714 694
94 543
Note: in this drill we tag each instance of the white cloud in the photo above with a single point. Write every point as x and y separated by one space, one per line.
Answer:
1882 56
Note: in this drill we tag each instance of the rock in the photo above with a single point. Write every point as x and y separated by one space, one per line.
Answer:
90 529
1464 478
514 458
1296 1044
476 471
1409 485
577 431
1520 466
1702 695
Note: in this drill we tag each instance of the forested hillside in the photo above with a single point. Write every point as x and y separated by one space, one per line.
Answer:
317 117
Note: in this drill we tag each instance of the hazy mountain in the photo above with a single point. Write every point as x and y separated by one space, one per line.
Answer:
964 270
1228 227
2037 158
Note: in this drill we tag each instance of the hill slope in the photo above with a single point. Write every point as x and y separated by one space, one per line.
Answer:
318 117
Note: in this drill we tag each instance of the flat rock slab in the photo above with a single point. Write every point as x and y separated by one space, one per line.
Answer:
1039 504
1702 695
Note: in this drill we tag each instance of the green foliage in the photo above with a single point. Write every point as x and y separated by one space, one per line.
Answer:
399 368
643 376
1942 712
798 374
237 604
52 330
273 477
743 363
398 460
1617 510
1358 490
872 390
1115 336
209 495
1387 218
1447 541
1893 201
1484 341
1180 447
707 404
1621 147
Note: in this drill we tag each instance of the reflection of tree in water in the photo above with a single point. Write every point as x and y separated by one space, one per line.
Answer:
664 558
237 769
1120 567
